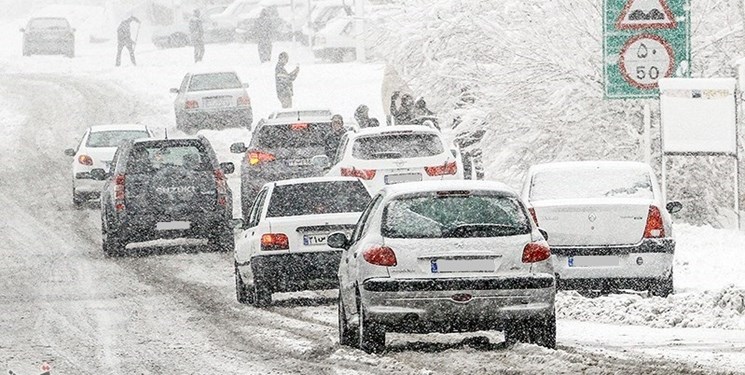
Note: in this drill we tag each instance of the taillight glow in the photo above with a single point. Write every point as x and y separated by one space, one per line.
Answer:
536 252
449 168
119 193
299 126
274 241
192 104
365 174
380 256
655 227
532 213
85 160
257 157
222 187
244 101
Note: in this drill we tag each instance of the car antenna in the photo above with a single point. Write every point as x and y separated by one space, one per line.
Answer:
298 115
166 130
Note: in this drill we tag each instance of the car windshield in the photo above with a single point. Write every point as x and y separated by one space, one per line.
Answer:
594 182
148 158
455 214
396 146
292 135
113 138
318 198
48 23
214 81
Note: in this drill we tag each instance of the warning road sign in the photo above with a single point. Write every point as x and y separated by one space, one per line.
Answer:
646 14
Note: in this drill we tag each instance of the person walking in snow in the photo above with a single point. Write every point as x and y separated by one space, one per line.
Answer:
124 39
284 80
196 29
265 34
403 115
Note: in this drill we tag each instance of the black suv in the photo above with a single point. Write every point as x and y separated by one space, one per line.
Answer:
167 188
281 149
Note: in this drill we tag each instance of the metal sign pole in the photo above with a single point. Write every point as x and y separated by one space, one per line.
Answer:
647 133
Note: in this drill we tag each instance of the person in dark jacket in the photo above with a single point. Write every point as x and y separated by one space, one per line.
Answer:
124 39
265 35
196 29
333 138
362 116
284 80
403 115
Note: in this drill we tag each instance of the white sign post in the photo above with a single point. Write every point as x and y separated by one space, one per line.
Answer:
699 118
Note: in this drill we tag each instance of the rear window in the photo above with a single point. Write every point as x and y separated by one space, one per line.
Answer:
396 146
596 182
292 135
148 158
318 198
303 114
455 215
48 23
214 81
113 138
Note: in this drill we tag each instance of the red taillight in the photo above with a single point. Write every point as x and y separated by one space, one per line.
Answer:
442 170
192 104
256 157
655 227
365 174
119 192
380 256
222 187
536 252
85 160
274 241
244 101
532 213
299 126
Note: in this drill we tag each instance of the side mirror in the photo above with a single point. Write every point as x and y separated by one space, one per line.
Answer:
338 240
238 148
245 85
321 161
237 223
674 206
70 152
228 168
175 91
543 233
99 174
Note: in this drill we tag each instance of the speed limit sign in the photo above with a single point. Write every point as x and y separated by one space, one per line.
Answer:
645 59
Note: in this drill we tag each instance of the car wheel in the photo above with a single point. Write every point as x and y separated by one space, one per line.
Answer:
223 242
540 331
371 334
662 288
243 294
262 294
347 335
113 246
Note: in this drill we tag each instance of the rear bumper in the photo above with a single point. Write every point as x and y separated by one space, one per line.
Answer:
218 118
83 183
639 284
139 228
292 272
429 305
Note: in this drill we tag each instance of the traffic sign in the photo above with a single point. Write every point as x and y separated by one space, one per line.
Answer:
643 41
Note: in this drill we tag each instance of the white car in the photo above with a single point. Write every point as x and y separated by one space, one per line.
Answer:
212 100
283 245
449 256
394 154
336 41
609 227
298 113
96 150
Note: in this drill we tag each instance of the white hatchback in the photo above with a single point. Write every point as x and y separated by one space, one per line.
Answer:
609 227
95 151
283 245
396 154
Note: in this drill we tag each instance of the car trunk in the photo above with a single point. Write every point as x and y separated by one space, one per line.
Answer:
174 192
215 99
310 232
393 171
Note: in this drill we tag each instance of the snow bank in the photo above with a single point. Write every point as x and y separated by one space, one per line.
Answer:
707 258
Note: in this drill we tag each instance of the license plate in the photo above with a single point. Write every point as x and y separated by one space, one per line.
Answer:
314 239
298 162
217 102
462 265
173 225
593 261
401 178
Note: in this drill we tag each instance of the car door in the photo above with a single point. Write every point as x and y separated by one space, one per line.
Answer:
249 241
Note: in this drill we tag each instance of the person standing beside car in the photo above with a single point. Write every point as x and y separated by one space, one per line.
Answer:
285 80
333 138
196 29
124 39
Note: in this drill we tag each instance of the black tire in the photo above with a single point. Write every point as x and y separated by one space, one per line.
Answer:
223 242
348 336
243 294
112 245
262 294
540 331
371 335
662 288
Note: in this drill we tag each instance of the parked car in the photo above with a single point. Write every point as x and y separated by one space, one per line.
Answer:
281 149
337 41
166 188
212 100
283 247
285 20
445 256
96 150
226 22
176 34
394 154
609 225
48 35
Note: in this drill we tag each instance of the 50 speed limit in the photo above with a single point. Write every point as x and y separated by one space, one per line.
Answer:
645 59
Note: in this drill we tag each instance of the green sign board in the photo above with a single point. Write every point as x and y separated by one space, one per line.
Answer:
643 41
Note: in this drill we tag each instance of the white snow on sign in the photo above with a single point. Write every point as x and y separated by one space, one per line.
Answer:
698 115
645 59
646 14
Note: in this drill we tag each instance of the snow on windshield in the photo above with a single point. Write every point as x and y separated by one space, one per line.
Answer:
113 138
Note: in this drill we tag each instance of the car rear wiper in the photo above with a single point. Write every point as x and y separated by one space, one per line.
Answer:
481 230
387 155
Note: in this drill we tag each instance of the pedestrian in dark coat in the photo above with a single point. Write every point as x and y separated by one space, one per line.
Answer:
265 31
332 140
403 115
124 39
196 29
284 80
362 116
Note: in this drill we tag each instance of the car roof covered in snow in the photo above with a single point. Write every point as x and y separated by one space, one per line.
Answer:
114 127
447 185
397 129
605 164
311 180
294 120
293 113
208 70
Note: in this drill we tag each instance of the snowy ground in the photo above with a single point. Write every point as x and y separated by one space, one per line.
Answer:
172 310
